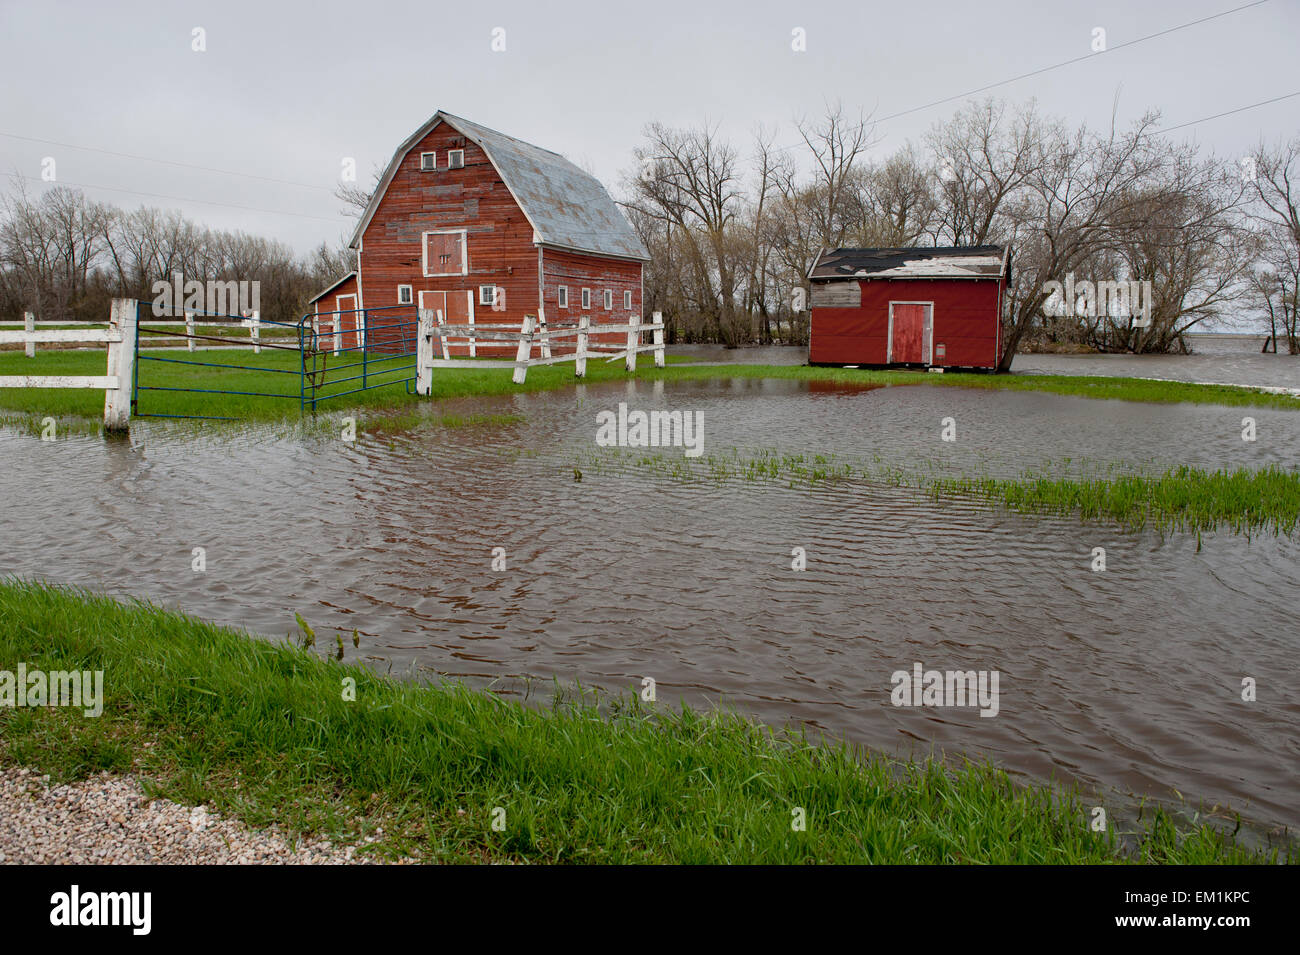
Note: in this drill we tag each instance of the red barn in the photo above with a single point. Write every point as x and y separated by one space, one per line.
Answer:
935 307
487 229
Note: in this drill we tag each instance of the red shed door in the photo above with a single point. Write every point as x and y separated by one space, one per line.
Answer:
909 332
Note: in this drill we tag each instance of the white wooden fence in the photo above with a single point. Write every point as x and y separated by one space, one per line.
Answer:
119 375
29 324
531 332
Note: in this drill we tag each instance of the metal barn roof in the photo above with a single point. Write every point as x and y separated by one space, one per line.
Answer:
567 208
941 262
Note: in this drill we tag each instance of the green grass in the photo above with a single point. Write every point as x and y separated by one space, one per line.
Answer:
261 731
1181 499
277 375
1184 499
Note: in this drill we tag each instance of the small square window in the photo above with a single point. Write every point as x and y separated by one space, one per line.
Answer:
627 300
564 296
487 294
586 298
403 295
428 162
455 159
609 299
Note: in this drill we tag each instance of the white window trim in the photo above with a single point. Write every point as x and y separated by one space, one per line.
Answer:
609 300
410 295
451 164
627 299
489 301
562 296
586 298
433 167
464 248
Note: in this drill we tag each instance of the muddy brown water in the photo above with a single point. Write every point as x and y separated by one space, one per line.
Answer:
1126 680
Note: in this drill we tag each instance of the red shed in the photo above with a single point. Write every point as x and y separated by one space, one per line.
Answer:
925 307
486 228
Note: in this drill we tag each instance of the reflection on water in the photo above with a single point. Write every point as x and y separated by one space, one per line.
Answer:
1128 678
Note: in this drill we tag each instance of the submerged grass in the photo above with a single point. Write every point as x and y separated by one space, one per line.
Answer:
1180 499
1183 499
262 731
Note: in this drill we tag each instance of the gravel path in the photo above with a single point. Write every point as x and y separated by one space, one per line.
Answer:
108 820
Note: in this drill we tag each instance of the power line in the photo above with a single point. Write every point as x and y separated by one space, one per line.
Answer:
1076 59
208 202
1239 109
165 162
1055 66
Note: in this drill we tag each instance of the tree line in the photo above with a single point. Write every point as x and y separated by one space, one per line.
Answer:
732 234
64 257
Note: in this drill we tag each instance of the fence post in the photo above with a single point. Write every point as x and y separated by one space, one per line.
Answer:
424 352
525 351
446 350
659 339
189 330
121 365
541 327
338 332
633 339
255 332
29 323
580 357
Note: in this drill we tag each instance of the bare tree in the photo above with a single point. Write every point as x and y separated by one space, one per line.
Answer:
690 179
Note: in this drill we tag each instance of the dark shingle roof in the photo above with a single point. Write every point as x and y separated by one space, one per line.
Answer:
971 262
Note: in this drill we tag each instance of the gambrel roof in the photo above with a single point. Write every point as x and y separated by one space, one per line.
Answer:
567 208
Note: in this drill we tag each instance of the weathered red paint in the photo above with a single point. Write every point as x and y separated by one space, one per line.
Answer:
497 249
965 322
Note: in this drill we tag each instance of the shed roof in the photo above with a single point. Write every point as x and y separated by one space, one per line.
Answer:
325 291
567 208
940 262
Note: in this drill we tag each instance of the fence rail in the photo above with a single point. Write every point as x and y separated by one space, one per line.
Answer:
532 332
116 383
326 365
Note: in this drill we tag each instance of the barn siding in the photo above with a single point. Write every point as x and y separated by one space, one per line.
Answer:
499 238
578 271
965 320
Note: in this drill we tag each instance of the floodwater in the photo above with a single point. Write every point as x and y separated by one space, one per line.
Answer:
1220 359
1126 680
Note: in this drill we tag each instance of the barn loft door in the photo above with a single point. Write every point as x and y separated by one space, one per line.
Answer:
444 253
910 332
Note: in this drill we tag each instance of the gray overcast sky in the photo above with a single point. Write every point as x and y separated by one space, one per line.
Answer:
286 90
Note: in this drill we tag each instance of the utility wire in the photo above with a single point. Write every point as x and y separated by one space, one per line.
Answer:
165 162
209 202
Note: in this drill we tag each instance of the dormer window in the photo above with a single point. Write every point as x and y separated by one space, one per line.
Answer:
428 162
455 159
